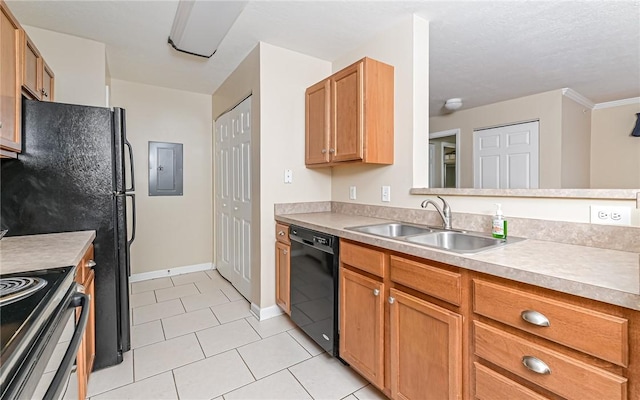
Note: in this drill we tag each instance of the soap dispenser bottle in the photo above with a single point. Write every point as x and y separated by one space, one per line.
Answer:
499 226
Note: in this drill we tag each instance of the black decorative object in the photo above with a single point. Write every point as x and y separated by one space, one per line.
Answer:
636 130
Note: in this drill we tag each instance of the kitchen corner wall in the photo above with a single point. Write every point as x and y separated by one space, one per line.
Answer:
172 231
276 78
404 46
79 66
613 147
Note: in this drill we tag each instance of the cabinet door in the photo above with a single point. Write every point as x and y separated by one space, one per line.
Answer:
31 68
361 325
10 105
282 276
87 350
426 349
47 82
347 114
317 123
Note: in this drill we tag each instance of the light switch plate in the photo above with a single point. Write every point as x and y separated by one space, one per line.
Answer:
386 193
352 192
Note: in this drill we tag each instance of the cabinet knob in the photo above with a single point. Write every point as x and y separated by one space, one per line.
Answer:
285 251
224 204
332 151
91 263
536 365
235 208
535 318
280 233
391 300
376 292
323 151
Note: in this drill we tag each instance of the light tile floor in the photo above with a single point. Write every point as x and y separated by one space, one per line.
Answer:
193 337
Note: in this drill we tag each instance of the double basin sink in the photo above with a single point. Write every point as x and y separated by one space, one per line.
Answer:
451 240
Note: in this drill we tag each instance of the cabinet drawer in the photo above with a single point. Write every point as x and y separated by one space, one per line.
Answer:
490 385
601 335
436 282
364 258
567 377
282 233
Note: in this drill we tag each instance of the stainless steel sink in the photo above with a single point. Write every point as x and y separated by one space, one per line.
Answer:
459 242
391 230
455 241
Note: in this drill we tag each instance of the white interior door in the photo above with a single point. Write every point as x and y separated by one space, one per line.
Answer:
506 157
233 196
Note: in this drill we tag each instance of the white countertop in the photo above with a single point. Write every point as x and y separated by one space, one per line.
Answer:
52 250
610 276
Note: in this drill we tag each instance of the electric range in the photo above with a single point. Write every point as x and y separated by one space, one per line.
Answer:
35 307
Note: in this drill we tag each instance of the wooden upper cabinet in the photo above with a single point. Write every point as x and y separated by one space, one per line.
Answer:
347 97
31 72
47 82
37 76
10 82
317 123
349 116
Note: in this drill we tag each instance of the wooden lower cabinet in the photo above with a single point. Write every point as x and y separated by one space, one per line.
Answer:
283 269
362 324
420 330
426 349
87 350
490 385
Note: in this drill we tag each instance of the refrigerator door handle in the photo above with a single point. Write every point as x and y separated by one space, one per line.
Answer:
133 180
133 214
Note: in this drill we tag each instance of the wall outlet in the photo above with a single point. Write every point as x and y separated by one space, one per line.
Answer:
288 176
610 215
352 192
386 193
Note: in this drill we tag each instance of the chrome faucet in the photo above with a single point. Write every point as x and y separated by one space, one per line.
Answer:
445 211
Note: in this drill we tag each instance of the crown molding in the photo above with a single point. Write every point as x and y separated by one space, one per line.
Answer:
618 103
578 98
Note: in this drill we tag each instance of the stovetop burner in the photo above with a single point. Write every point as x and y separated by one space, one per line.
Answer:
16 288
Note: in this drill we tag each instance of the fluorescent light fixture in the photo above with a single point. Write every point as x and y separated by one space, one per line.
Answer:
200 25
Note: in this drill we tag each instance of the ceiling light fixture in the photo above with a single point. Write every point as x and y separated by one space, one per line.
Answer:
453 104
199 26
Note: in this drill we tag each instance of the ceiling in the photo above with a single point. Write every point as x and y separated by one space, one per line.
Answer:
480 51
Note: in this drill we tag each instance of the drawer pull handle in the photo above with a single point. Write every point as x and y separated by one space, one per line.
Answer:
376 292
536 365
281 233
535 318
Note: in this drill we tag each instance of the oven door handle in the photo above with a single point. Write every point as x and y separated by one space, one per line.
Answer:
62 375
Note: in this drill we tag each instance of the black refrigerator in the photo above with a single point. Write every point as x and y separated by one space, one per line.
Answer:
72 176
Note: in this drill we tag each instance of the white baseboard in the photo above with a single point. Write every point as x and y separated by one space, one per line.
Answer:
144 276
265 313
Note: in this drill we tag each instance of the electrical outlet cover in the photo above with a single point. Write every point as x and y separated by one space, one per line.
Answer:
610 215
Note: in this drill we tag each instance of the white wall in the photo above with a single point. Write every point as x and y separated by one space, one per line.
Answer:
576 145
615 153
172 231
79 66
406 47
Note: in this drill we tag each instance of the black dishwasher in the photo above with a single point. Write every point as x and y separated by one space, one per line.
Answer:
314 285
